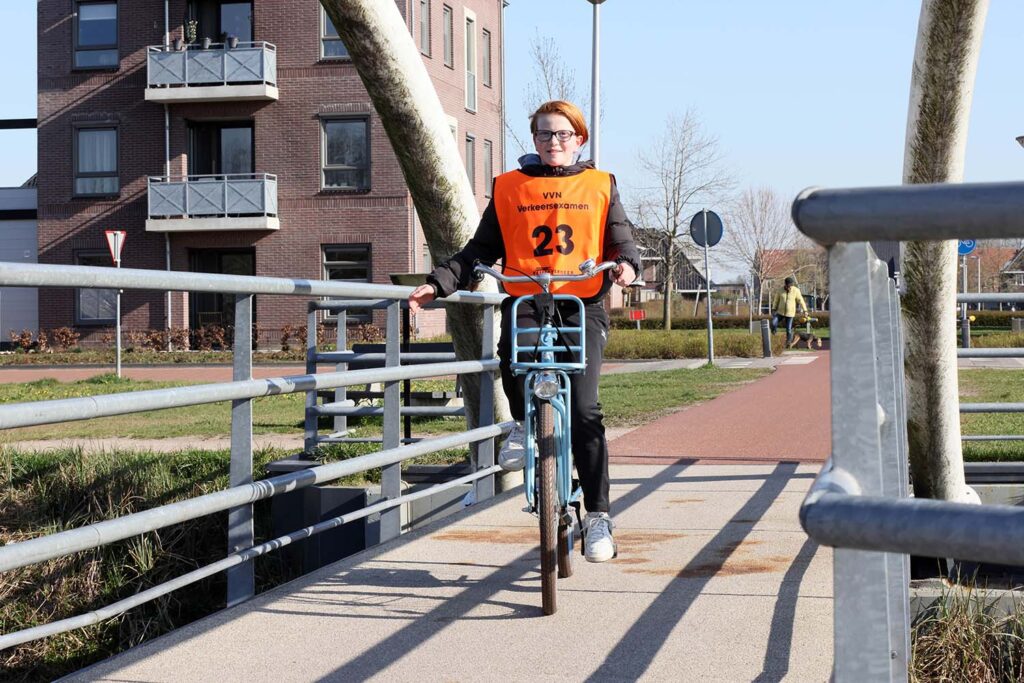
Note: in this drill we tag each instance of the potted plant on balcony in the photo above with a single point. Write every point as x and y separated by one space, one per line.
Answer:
191 30
207 42
232 42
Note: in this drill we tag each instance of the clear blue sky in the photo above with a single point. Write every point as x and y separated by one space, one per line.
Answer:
801 92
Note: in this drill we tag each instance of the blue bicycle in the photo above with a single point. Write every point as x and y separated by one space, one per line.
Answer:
550 489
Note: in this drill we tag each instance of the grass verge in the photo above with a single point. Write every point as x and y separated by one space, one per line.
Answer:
992 386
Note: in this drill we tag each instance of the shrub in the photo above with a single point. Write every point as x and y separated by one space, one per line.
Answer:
65 337
22 340
180 338
1000 340
42 342
645 344
619 321
207 337
364 333
288 333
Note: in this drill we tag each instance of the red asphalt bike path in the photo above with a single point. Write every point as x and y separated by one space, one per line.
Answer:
785 416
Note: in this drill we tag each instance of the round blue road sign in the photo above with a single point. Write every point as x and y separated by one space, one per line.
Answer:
965 247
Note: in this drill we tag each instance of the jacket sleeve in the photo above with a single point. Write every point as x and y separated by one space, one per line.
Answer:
486 246
618 237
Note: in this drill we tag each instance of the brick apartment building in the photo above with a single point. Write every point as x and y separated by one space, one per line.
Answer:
237 138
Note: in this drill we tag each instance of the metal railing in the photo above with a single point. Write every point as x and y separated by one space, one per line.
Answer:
218 64
860 502
233 194
397 351
967 351
243 490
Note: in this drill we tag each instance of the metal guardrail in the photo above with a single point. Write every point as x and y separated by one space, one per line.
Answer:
233 194
243 491
218 64
860 502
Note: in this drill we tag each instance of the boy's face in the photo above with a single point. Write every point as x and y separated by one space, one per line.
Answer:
556 152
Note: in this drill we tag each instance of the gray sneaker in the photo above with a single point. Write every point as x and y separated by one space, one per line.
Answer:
512 456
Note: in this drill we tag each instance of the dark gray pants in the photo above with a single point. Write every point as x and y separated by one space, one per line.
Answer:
589 448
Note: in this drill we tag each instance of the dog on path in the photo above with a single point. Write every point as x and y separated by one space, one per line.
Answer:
808 338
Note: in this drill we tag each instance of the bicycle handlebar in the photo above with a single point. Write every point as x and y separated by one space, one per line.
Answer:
589 271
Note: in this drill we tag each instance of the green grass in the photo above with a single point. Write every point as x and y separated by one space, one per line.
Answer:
632 399
992 386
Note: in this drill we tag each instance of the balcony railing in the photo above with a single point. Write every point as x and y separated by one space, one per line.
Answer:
219 72
225 202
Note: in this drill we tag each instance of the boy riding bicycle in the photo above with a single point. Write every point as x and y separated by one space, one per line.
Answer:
551 215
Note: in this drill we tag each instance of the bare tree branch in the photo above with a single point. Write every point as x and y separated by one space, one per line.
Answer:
683 173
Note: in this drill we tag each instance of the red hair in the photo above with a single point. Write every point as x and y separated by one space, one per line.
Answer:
566 109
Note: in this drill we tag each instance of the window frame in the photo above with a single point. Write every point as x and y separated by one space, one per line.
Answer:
76 174
78 255
488 168
324 120
470 54
116 46
485 53
425 32
1019 279
470 153
364 315
448 32
324 57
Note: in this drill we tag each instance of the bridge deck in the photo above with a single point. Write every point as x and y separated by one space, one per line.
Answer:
714 581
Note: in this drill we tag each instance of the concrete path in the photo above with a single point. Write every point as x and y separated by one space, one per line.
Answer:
715 581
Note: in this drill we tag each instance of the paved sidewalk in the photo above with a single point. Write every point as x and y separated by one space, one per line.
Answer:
715 581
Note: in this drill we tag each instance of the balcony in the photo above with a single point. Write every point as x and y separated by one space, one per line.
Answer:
206 203
219 73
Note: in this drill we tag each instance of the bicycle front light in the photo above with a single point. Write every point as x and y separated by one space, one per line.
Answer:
546 385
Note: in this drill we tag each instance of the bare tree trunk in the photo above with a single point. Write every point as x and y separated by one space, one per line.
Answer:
945 62
392 70
666 309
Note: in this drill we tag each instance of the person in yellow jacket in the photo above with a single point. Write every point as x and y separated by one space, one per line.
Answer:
550 215
785 307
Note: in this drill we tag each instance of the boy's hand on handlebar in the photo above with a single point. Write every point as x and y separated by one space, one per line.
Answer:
623 274
421 296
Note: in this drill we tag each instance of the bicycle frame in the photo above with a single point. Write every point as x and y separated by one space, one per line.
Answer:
561 401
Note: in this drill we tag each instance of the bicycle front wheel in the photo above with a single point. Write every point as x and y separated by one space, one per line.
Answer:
547 502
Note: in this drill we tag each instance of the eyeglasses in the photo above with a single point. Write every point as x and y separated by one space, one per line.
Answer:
546 135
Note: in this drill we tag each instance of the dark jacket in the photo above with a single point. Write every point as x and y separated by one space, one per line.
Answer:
487 245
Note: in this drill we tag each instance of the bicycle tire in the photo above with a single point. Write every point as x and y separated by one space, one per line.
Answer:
547 503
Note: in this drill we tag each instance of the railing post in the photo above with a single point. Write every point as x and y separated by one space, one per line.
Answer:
312 422
485 449
391 476
341 393
863 651
241 581
886 316
965 330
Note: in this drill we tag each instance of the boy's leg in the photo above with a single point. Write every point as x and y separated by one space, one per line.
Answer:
590 450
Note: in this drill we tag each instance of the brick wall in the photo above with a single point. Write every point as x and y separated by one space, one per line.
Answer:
288 141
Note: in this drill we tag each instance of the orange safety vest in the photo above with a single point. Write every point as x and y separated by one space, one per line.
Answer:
552 225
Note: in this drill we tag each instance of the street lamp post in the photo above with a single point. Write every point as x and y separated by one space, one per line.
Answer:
595 84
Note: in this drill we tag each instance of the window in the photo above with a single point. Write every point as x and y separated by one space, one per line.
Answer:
425 27
470 62
95 35
488 167
346 154
348 263
471 160
1019 281
449 33
95 151
94 306
428 264
487 57
331 46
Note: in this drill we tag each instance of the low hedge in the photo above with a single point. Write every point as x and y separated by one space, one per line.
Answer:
647 344
999 319
619 321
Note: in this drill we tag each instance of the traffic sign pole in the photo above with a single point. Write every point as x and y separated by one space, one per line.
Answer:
707 281
115 240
